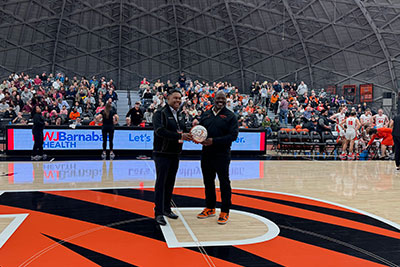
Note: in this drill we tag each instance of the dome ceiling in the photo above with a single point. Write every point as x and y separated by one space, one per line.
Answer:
323 42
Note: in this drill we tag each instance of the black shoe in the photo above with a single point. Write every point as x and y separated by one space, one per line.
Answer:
171 215
160 220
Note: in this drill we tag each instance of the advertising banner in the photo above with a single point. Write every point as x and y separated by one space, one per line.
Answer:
91 139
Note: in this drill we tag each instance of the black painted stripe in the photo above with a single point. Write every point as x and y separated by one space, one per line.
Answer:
237 256
324 235
96 257
84 211
383 246
338 213
102 215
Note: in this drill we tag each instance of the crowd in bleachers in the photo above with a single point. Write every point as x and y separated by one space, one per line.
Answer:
270 105
303 113
273 106
67 101
63 101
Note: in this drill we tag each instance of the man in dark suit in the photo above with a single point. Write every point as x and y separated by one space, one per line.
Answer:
396 140
169 133
222 127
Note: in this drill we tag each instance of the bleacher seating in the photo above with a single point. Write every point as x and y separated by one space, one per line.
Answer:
302 141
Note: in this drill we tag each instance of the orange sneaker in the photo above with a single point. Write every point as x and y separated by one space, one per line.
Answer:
206 213
223 218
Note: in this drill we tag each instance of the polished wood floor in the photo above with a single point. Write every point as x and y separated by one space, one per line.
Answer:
371 186
286 213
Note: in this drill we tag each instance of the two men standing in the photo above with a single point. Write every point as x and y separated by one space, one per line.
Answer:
169 133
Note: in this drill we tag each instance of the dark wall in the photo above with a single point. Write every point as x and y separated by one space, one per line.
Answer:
320 42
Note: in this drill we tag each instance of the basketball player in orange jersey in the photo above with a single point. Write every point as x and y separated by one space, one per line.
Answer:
381 133
339 118
352 126
380 119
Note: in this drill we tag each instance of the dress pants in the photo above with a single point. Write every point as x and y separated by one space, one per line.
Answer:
396 140
110 132
210 166
38 143
166 169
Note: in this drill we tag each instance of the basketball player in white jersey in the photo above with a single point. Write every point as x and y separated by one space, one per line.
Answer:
380 119
339 118
366 118
352 126
366 121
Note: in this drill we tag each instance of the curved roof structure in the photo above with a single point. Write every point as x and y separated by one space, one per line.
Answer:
323 42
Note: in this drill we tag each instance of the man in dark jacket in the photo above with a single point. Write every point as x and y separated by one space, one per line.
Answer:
396 140
37 131
222 127
136 114
169 133
323 122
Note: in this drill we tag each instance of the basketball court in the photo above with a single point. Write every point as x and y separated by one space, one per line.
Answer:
290 213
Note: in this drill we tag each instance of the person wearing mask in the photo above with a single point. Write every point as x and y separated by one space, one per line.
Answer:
169 133
109 118
222 127
37 132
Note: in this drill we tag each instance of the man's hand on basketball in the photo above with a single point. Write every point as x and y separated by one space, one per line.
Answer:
207 142
195 122
187 137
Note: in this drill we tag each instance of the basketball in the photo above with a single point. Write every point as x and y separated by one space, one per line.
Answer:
199 133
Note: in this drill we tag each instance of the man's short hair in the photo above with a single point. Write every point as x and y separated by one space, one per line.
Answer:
372 131
171 91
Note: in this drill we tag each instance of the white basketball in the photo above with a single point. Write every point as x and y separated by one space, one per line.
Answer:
199 133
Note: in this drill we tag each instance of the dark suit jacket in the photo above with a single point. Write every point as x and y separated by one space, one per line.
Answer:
396 126
166 136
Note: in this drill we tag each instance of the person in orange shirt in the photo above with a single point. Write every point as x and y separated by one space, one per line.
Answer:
381 133
274 102
96 122
208 105
313 99
250 107
74 114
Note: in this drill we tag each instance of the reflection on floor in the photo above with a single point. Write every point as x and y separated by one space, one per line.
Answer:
373 186
114 206
114 226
